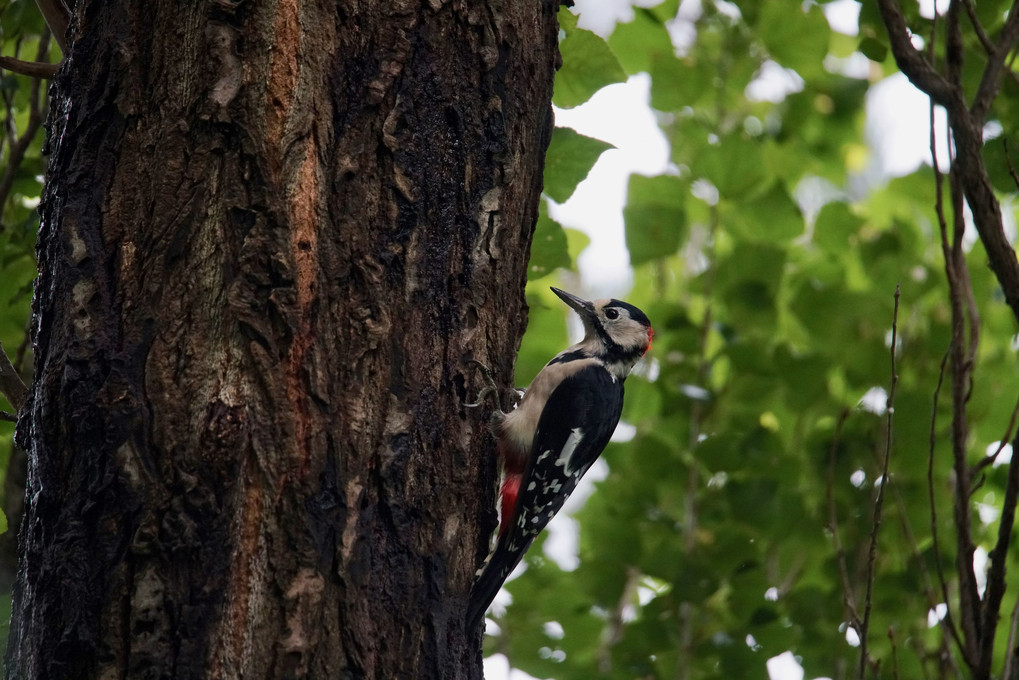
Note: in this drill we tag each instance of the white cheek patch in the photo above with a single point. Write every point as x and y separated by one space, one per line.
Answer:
572 442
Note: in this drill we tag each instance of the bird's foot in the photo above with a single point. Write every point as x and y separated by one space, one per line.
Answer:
490 389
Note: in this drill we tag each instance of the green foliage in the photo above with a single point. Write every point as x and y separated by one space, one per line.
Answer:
21 28
588 64
710 547
22 164
569 158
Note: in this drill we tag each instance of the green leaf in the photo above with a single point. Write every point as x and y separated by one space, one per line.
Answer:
549 249
655 216
569 159
771 217
735 166
795 39
873 49
638 42
588 64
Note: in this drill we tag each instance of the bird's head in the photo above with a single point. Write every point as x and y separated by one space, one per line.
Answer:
614 330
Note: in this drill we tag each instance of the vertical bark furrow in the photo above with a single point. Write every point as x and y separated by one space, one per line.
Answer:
272 234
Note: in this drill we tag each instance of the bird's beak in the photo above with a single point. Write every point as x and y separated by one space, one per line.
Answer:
581 306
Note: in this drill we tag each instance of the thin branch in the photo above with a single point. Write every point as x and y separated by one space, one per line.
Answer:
947 621
978 28
32 69
1011 669
833 526
968 596
8 416
20 146
11 385
947 625
895 653
1008 162
57 15
614 628
995 590
879 501
990 458
991 78
911 62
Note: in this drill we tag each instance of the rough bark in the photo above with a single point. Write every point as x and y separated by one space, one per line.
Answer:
271 235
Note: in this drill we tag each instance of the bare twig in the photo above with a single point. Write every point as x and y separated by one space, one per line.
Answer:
10 382
879 501
20 146
895 653
848 598
1008 162
991 457
978 28
947 622
995 590
33 69
955 272
1011 670
614 629
991 78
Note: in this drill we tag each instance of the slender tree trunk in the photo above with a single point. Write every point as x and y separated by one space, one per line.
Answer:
271 235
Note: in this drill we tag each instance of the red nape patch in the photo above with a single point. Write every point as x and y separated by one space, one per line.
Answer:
650 338
509 493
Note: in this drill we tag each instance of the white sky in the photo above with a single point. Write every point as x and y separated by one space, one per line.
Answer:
620 115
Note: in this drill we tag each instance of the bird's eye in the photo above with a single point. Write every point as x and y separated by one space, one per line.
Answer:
611 314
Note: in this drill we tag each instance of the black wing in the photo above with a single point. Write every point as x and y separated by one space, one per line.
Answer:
575 425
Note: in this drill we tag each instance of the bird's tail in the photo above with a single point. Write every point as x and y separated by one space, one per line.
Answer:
498 566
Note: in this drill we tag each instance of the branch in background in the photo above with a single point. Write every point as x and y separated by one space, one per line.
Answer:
990 458
33 69
995 590
895 653
1008 162
957 275
11 385
35 119
946 621
879 501
978 28
967 129
57 15
991 77
833 526
613 632
1011 670
966 648
911 62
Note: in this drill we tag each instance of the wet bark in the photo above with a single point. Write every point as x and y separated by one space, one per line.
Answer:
271 235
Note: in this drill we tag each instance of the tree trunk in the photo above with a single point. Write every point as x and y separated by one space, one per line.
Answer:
271 235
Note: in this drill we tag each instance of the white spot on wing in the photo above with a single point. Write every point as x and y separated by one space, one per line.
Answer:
572 442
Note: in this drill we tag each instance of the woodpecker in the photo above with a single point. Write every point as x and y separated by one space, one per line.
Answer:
558 429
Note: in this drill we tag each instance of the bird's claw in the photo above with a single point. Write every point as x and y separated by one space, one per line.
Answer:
490 387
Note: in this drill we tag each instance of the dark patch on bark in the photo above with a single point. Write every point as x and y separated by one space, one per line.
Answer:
248 451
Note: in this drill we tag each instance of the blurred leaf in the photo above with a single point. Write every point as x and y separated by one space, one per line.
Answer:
588 64
655 216
795 39
638 42
549 250
873 49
